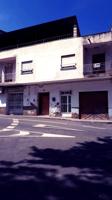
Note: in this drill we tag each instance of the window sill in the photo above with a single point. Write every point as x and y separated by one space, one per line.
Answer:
26 72
68 67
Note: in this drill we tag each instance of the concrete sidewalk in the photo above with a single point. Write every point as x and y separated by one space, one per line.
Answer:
59 118
76 120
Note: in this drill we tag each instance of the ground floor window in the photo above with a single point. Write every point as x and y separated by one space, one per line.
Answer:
66 101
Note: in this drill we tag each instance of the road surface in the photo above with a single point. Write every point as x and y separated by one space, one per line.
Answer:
52 159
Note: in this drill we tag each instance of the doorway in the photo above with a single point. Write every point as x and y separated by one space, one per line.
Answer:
44 103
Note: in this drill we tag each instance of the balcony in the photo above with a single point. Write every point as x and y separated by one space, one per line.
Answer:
98 69
7 70
7 77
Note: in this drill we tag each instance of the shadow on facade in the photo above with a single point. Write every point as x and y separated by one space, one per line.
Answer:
83 172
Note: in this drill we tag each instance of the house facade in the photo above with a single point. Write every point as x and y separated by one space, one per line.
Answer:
50 69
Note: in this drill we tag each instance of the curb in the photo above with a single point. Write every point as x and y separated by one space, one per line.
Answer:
59 118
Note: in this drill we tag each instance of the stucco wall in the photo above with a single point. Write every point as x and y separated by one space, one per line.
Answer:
54 90
46 59
98 38
31 93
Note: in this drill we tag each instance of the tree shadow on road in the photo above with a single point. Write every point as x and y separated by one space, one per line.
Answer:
83 172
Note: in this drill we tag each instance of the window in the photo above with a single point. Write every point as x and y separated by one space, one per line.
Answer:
98 61
66 102
27 67
68 62
8 72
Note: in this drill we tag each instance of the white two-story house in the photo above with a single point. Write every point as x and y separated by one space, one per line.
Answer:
49 69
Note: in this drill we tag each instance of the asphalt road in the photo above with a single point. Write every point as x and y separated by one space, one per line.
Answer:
51 159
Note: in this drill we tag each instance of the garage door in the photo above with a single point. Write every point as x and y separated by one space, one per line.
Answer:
15 103
93 105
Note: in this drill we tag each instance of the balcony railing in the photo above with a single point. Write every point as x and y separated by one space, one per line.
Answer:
94 69
7 77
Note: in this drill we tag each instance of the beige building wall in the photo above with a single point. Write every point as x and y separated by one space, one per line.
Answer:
46 59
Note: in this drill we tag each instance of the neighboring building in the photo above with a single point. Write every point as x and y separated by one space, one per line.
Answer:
49 69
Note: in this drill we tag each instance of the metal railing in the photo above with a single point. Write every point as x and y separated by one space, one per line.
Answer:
20 43
7 77
98 68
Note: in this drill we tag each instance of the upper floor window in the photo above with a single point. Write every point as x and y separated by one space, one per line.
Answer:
8 72
98 61
27 67
68 62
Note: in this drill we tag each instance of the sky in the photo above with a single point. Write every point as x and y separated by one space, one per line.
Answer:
93 16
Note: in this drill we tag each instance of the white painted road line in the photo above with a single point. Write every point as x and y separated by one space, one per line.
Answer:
5 129
24 133
40 125
10 127
35 136
14 124
44 135
15 120
57 135
21 133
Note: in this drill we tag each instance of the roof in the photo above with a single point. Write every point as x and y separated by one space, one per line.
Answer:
49 31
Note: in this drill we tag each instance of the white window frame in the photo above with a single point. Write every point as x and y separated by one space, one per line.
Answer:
65 65
28 69
66 94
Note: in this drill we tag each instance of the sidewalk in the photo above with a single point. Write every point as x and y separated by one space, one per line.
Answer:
108 121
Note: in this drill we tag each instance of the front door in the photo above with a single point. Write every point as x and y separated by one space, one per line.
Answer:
44 103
